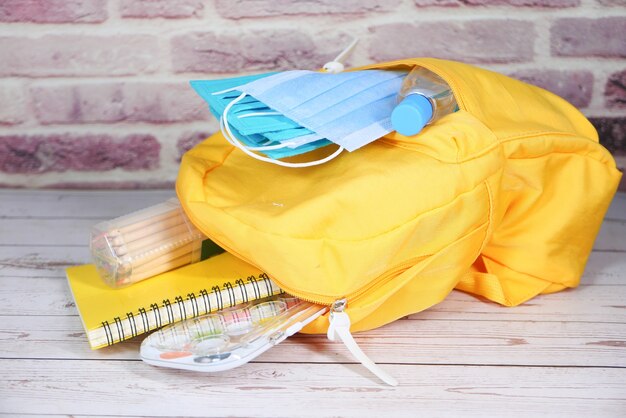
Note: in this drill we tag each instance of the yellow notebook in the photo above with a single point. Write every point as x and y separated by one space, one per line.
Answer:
113 315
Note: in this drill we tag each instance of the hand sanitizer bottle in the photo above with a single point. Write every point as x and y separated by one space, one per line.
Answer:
424 97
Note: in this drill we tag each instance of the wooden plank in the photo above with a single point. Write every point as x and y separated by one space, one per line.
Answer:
38 231
76 231
287 390
36 296
612 236
56 337
41 261
617 210
23 203
584 304
77 204
497 342
30 237
590 303
603 268
51 296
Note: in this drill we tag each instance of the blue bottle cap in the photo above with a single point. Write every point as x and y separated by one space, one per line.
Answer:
411 115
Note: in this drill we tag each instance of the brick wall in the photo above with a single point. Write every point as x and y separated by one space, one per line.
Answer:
93 93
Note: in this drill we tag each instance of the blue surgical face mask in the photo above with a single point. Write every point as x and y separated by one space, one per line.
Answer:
349 109
254 132
304 86
295 139
293 112
217 103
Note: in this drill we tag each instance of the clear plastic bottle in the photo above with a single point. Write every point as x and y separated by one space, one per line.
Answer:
424 97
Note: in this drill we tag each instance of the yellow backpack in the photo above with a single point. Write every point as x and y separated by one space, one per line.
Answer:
502 199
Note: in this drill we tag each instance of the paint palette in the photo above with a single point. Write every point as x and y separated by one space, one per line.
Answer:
230 337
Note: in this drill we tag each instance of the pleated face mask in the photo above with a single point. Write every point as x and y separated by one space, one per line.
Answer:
276 136
292 112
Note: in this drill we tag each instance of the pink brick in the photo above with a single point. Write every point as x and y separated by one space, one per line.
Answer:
80 55
46 153
188 140
232 52
53 11
615 91
439 3
164 103
12 104
491 41
515 3
116 102
161 8
107 185
574 86
236 9
612 2
612 133
581 37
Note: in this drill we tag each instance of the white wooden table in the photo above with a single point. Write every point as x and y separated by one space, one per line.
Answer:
558 355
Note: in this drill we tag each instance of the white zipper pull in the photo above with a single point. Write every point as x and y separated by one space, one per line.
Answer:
336 66
340 327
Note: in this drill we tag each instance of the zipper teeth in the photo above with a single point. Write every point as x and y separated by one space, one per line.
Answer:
384 278
329 300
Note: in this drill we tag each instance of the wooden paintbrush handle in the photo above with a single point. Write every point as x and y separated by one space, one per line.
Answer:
140 220
117 239
172 264
149 263
168 238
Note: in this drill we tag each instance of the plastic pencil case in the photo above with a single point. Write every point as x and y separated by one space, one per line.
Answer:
145 243
230 337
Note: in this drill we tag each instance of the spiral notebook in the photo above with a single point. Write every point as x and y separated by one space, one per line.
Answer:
113 315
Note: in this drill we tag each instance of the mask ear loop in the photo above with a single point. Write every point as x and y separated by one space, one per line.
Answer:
247 115
261 148
230 137
336 66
